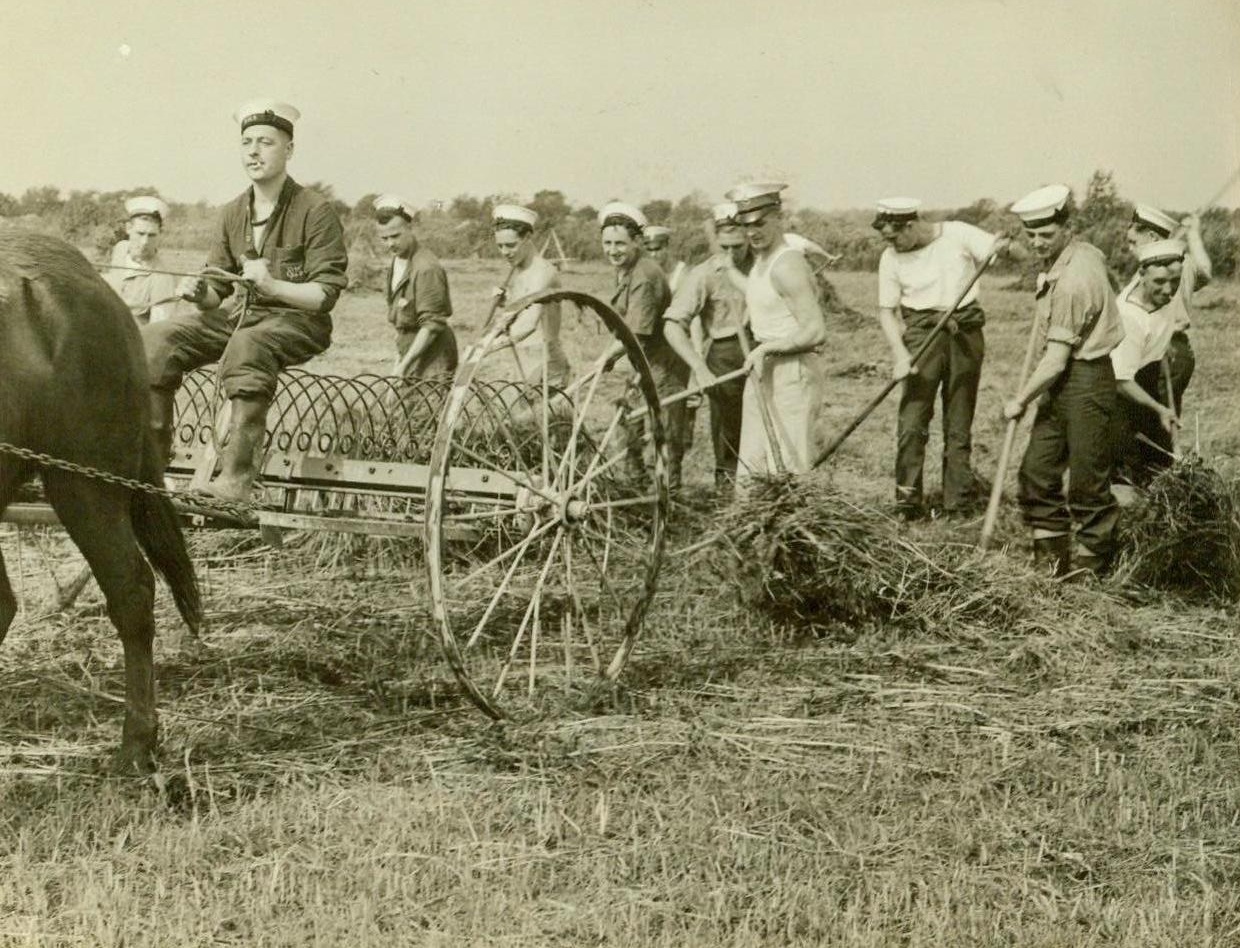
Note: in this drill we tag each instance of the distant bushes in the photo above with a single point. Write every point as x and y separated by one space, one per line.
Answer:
461 227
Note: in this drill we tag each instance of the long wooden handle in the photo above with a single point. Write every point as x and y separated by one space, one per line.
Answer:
1175 429
764 410
922 349
1009 436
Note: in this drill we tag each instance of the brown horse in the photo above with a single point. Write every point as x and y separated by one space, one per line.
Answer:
73 385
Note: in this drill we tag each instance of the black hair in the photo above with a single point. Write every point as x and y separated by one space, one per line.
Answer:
385 214
521 227
620 220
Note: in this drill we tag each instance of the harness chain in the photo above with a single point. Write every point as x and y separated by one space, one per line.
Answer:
238 510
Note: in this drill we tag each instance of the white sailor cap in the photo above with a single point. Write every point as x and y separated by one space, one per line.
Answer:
279 115
657 232
752 198
619 209
146 206
724 213
514 214
1043 206
1160 252
394 202
1154 219
896 208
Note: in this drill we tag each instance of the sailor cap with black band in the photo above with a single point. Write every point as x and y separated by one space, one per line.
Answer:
503 214
1159 252
617 212
146 205
896 209
754 200
396 203
1044 206
1162 224
279 115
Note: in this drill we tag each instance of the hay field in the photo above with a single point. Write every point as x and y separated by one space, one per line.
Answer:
1065 782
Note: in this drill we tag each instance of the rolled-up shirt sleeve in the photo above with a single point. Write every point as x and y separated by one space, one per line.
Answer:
1126 357
689 299
430 299
327 260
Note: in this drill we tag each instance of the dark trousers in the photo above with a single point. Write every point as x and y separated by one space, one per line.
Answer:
726 406
1136 460
951 368
671 375
1180 355
1072 433
251 355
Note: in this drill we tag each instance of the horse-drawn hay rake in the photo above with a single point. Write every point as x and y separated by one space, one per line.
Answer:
542 556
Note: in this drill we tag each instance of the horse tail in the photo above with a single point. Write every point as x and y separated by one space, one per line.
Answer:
159 534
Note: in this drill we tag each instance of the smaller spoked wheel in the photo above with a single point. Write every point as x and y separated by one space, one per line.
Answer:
544 538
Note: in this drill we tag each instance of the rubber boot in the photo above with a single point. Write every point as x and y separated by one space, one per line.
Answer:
239 456
1053 555
1088 564
163 407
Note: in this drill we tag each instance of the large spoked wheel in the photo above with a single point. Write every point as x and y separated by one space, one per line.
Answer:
564 520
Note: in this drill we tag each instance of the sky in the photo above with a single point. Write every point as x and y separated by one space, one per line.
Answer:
946 100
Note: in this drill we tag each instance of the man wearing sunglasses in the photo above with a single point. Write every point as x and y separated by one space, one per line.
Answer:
1076 325
920 274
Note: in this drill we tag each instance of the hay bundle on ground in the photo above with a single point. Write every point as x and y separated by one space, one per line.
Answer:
1183 536
807 556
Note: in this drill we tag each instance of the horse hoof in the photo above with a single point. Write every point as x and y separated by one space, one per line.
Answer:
134 762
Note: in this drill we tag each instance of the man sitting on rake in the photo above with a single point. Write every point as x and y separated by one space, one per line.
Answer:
920 274
531 273
1148 225
1146 423
288 246
419 304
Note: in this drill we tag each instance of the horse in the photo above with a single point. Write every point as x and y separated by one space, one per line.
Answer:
73 385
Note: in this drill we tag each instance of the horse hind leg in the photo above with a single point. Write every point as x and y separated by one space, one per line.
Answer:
96 516
10 476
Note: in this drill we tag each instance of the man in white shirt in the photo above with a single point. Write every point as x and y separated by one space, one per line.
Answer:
1148 225
921 272
1149 322
150 296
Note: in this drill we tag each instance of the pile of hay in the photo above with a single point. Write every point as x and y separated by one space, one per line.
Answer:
808 557
1183 535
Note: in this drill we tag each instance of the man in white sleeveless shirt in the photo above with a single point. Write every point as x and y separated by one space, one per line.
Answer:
788 326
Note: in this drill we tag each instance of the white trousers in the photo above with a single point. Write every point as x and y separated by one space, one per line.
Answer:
793 387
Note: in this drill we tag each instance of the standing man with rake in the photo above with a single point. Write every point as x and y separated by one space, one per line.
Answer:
287 243
1076 325
709 299
785 383
531 273
134 272
1148 225
920 274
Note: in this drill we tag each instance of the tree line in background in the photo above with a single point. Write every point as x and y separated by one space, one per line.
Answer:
461 228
